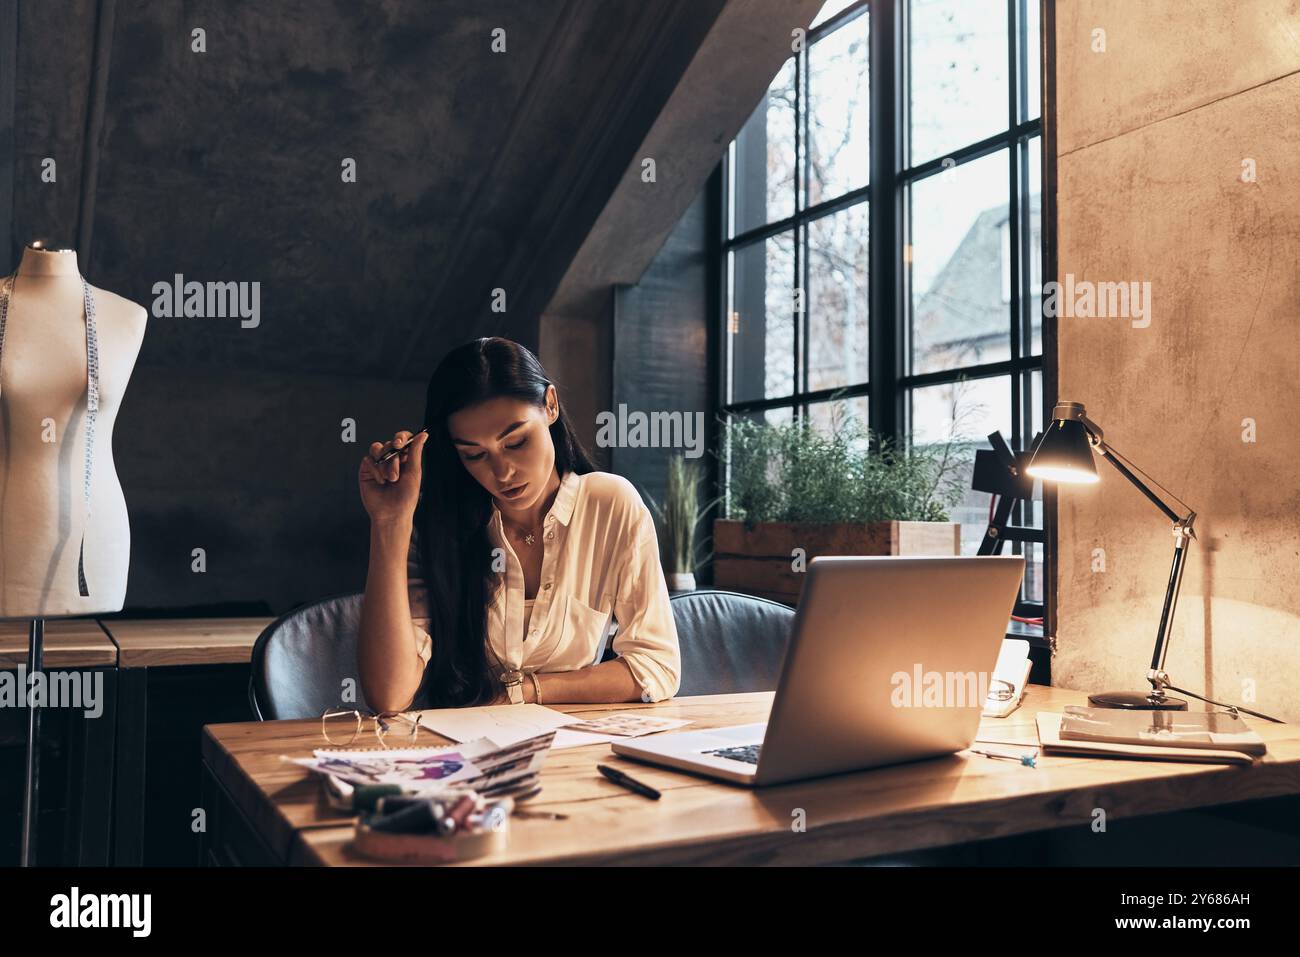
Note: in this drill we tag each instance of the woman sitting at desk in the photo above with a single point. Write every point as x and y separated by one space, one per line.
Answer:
498 553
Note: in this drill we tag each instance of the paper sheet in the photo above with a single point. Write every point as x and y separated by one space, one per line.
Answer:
568 738
508 723
628 724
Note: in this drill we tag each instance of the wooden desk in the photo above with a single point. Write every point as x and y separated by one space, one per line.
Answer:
152 643
262 810
75 644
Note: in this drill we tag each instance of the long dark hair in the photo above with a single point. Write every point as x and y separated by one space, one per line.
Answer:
453 512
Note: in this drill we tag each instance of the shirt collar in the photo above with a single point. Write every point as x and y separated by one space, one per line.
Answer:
561 509
565 498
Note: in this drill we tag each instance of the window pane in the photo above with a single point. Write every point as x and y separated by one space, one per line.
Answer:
837 299
782 415
761 326
1033 588
1033 59
967 411
1033 215
829 10
959 251
763 177
826 416
958 74
839 112
1032 403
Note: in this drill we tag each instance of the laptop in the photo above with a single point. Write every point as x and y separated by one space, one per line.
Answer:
889 660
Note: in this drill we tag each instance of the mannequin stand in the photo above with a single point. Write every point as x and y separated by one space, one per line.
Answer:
35 652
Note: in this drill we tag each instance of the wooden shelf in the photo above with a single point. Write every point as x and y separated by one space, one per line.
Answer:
68 643
157 642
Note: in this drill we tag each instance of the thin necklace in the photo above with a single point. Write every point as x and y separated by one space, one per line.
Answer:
529 538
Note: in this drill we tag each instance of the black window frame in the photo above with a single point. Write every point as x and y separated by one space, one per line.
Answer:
886 194
890 382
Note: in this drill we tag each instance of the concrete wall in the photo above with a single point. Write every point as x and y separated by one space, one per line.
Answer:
1154 135
577 352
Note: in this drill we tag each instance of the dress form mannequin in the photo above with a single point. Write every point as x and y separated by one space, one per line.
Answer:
43 420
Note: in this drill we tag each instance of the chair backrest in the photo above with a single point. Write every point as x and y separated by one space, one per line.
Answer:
730 642
301 659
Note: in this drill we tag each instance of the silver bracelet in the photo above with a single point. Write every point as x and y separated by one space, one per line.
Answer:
537 688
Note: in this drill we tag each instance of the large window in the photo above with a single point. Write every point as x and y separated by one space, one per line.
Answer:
882 242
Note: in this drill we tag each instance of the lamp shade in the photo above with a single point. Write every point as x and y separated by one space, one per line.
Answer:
1064 454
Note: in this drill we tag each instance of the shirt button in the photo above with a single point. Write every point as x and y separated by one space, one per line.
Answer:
645 696
549 536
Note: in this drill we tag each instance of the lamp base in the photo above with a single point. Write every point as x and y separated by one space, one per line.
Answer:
1136 701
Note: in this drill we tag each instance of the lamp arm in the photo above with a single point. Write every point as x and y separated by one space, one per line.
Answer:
1183 534
1105 452
1157 675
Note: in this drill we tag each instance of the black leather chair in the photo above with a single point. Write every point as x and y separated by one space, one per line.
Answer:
730 642
301 659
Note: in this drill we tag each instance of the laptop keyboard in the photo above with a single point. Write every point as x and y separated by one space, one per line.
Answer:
745 752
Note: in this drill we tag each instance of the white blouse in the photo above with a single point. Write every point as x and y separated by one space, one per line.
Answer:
600 561
528 614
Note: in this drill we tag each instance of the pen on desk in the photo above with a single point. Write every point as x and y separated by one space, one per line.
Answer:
621 779
1028 760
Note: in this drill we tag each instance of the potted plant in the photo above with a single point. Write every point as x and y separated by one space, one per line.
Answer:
796 492
679 518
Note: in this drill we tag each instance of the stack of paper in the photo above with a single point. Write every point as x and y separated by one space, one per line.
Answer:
1049 736
480 765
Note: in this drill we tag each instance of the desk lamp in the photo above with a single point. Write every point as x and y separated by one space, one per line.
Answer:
1065 455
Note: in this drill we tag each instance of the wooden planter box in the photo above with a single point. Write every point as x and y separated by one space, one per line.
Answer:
758 561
